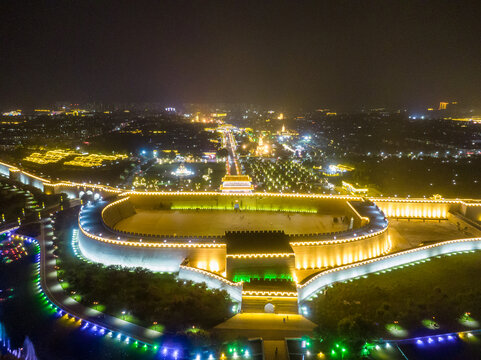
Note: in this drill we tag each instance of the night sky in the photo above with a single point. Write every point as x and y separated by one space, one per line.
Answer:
341 54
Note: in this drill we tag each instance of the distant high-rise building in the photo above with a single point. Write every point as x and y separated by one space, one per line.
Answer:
443 105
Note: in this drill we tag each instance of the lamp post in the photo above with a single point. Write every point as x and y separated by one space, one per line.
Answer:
123 314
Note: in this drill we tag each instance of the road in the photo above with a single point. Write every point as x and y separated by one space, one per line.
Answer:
232 165
53 290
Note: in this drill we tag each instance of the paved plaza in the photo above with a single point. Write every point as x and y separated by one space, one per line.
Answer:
267 326
408 234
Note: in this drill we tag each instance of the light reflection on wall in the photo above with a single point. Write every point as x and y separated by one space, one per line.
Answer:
421 210
309 259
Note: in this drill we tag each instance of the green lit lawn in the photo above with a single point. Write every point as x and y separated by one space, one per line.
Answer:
428 298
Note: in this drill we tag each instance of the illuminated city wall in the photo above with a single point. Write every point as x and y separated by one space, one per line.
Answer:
76 190
4 169
212 281
270 202
156 258
414 208
28 179
328 277
472 211
311 258
116 211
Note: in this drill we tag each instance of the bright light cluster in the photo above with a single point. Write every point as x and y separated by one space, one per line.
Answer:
94 160
407 210
50 157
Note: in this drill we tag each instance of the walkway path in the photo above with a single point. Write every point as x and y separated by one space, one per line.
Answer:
270 352
57 295
272 328
267 326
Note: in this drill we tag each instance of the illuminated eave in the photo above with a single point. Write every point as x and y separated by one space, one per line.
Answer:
257 256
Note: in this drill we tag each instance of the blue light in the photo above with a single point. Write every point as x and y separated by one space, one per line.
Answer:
419 342
430 341
440 339
164 351
450 337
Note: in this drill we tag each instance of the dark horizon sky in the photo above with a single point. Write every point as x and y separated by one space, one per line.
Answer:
340 54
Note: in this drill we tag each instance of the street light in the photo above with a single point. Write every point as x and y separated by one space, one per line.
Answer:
123 314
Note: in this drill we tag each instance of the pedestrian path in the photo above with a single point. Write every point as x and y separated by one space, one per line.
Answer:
266 326
53 290
275 350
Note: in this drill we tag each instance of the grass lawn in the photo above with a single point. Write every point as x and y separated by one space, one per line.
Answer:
437 296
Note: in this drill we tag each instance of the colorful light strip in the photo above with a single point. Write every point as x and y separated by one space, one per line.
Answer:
61 311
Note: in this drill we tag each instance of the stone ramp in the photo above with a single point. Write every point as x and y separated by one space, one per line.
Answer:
270 352
266 326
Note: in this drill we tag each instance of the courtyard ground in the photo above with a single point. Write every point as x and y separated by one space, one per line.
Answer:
267 326
410 234
217 222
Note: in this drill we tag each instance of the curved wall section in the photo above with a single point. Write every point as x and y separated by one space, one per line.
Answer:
29 179
4 169
323 279
369 241
212 281
159 258
311 258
